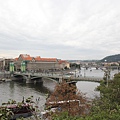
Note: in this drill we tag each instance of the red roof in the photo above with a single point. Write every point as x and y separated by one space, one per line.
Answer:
16 59
48 59
26 57
38 58
62 61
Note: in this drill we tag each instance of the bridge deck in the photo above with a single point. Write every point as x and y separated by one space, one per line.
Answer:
58 76
91 79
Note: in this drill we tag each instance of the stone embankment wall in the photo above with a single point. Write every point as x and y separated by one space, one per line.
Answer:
4 75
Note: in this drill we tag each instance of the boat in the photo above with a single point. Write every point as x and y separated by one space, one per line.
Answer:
70 73
6 80
24 110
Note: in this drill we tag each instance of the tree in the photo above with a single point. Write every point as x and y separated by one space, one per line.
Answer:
67 98
107 107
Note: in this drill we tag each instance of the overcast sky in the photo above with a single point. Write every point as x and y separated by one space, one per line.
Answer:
63 29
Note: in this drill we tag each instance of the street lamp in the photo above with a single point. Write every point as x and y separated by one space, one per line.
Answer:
107 73
84 71
75 73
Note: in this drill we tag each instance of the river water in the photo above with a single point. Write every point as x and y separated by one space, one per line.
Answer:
18 90
92 72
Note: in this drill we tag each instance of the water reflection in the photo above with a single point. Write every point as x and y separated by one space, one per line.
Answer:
39 87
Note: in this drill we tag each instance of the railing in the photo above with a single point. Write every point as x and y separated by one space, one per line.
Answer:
59 76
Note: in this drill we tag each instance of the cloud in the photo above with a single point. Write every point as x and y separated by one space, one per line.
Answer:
64 29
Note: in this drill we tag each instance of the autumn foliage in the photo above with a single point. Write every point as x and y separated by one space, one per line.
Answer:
66 97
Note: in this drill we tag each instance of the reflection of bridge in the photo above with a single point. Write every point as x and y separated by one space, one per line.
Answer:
37 77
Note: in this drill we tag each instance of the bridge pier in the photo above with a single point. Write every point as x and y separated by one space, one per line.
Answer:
28 79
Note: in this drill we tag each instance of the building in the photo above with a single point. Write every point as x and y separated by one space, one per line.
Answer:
5 63
39 64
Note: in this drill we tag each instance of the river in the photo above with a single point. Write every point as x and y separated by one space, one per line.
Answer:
92 72
18 90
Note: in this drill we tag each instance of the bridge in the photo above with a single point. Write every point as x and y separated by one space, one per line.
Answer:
37 77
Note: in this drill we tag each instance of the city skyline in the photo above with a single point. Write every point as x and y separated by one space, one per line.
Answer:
65 29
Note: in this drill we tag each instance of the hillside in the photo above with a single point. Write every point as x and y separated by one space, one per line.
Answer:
111 58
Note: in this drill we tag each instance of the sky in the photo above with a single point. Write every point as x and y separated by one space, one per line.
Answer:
63 29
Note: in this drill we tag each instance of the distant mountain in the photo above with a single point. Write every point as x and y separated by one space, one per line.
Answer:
111 58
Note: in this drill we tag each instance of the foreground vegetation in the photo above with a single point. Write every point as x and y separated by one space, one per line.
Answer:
106 107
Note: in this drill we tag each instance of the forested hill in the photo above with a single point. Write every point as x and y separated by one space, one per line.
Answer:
112 58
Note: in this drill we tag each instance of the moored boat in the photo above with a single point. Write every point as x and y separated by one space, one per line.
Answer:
24 110
6 80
